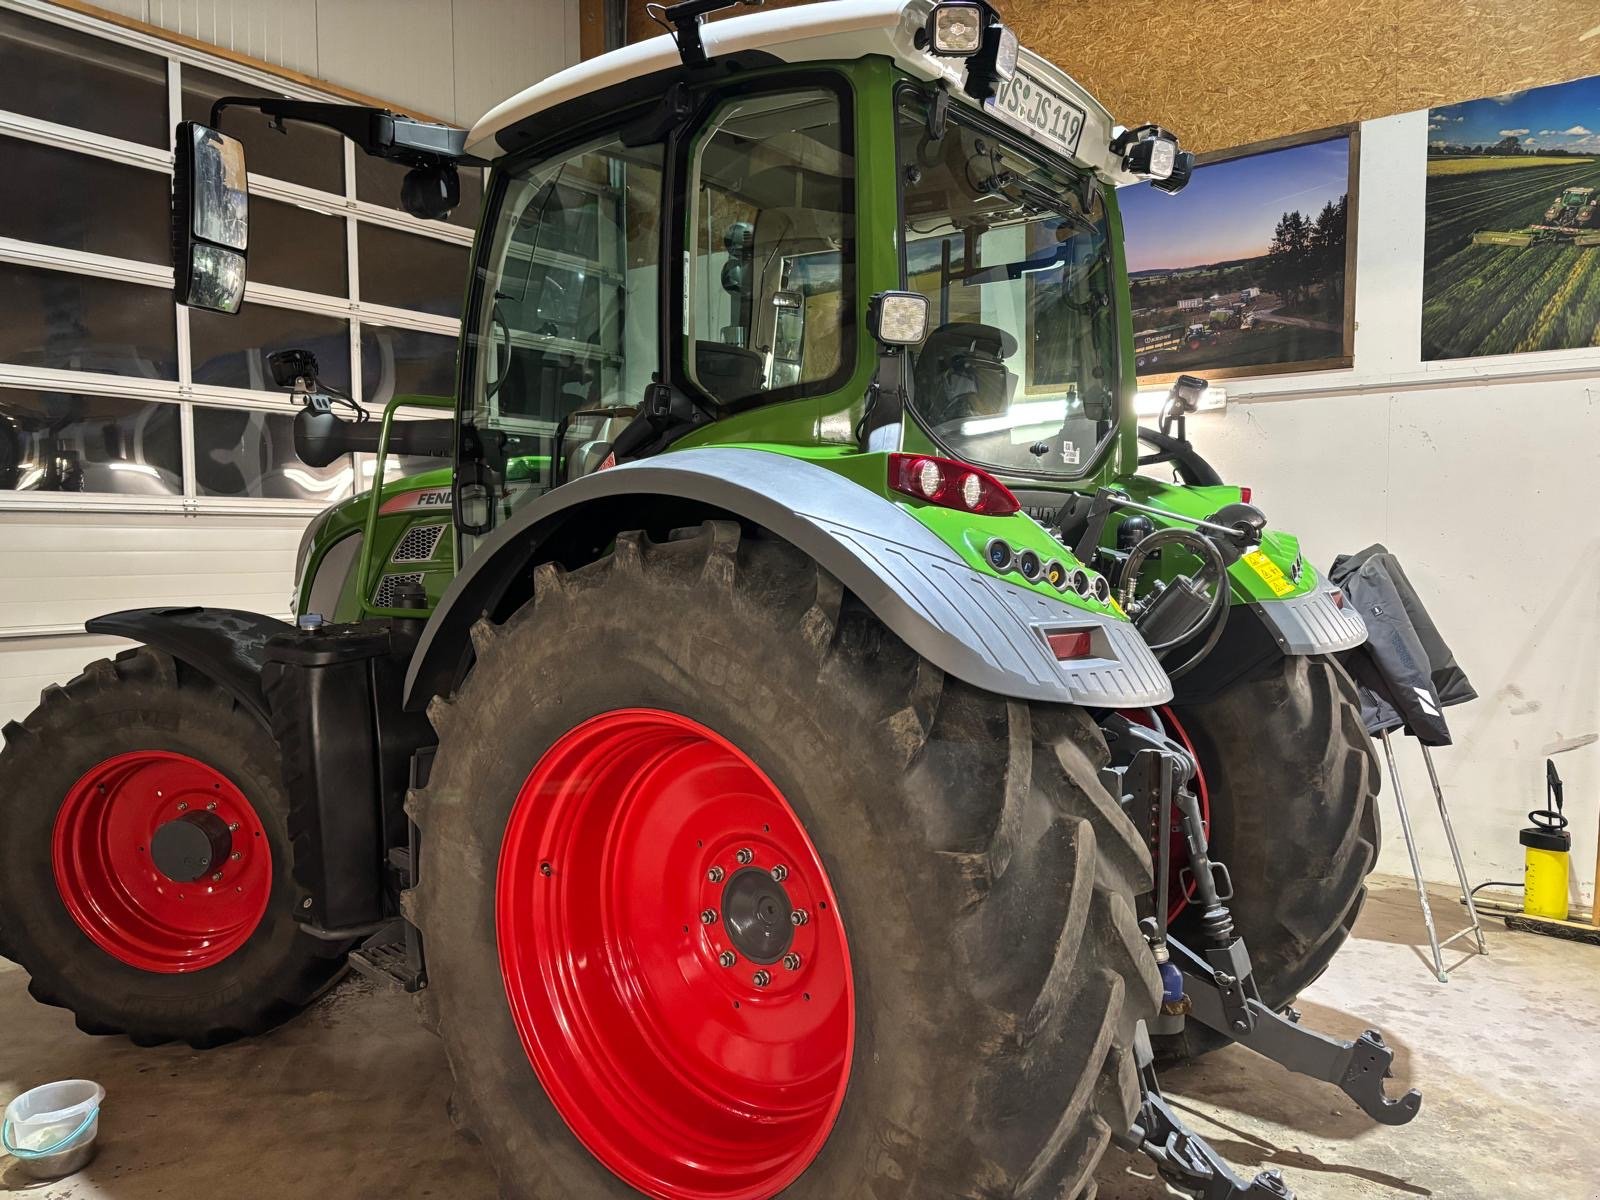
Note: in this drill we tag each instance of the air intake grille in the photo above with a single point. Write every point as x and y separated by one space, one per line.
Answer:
384 596
418 544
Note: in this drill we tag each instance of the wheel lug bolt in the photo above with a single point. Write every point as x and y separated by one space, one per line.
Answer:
715 874
745 857
709 917
780 873
727 958
761 979
799 917
212 807
182 804
233 826
235 856
791 962
217 878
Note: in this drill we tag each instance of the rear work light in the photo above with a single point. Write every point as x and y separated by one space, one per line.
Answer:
1075 644
950 484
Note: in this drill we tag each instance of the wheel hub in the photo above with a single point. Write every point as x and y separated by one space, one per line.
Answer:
185 849
757 912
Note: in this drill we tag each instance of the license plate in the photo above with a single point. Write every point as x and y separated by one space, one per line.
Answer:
1269 572
1039 109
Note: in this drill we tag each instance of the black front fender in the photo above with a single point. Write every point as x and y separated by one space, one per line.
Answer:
981 629
223 644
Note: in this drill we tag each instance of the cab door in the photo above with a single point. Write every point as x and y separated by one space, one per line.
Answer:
563 333
767 314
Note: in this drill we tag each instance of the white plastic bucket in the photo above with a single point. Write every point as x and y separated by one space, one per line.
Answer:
51 1129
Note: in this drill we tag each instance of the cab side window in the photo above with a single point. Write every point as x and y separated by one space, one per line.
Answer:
771 249
567 336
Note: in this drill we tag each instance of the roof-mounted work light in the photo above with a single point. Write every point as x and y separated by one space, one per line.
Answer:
1152 151
971 29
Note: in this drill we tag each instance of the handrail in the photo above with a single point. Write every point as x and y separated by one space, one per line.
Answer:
375 501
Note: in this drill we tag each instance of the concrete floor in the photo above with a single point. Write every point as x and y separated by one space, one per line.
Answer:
349 1100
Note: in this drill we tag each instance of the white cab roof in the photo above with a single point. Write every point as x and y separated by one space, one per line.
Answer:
832 30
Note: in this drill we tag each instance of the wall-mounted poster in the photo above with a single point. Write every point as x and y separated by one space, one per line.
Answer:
1250 270
1511 256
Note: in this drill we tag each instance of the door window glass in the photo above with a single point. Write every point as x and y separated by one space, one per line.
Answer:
61 442
771 260
231 351
95 205
567 339
76 79
240 452
76 322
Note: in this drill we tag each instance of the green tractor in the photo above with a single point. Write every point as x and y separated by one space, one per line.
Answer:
1570 221
794 745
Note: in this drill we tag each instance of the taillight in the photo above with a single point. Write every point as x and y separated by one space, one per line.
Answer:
950 484
1244 495
1069 645
1338 598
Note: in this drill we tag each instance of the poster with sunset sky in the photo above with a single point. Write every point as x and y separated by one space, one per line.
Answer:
1245 270
1511 253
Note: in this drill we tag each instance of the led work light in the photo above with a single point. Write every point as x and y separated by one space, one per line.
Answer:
898 318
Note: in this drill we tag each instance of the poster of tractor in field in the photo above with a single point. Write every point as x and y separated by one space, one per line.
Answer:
1249 271
1511 260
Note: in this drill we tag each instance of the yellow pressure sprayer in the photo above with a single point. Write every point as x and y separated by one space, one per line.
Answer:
1546 847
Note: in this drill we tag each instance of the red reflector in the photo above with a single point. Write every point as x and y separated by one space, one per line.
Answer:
1069 645
1244 495
1338 598
950 484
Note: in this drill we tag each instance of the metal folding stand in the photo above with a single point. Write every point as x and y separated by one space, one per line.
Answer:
1475 928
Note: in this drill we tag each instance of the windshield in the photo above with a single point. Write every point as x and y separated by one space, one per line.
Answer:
1019 371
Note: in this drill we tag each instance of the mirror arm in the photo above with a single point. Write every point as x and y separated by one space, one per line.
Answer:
375 131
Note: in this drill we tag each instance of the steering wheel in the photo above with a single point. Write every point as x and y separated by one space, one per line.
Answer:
1191 468
1213 575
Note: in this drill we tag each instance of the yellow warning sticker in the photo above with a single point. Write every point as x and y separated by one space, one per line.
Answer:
1270 573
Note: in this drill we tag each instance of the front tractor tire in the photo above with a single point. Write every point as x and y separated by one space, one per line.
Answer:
726 893
145 878
1293 783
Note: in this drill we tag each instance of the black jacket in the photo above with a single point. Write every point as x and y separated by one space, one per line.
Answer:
1406 672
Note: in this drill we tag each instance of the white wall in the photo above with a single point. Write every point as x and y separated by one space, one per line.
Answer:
1482 476
454 59
65 567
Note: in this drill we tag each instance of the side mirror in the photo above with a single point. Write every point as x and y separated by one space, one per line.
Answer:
210 219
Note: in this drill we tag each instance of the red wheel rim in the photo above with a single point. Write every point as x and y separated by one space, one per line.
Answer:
104 853
1180 891
642 850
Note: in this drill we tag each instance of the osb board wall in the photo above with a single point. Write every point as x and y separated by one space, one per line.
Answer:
1228 72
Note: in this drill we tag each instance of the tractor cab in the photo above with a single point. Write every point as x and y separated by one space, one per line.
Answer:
1575 205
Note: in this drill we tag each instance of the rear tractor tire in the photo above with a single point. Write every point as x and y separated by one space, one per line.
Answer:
145 859
1293 782
725 893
